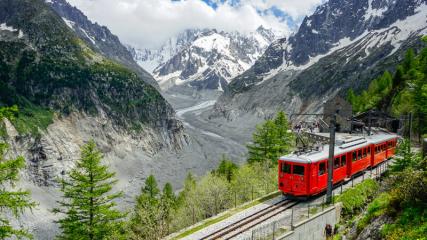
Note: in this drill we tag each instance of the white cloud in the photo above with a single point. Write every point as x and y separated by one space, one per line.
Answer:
148 23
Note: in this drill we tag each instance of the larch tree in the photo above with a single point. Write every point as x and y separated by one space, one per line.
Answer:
264 146
88 208
146 220
12 203
285 137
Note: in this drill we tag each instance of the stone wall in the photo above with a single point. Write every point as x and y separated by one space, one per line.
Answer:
313 228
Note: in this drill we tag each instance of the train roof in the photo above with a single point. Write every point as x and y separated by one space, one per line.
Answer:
344 143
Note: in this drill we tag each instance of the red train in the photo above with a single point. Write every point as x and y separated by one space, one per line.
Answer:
306 174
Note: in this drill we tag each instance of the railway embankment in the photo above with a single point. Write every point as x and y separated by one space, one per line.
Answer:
397 209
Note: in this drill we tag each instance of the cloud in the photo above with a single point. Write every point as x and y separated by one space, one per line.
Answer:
149 23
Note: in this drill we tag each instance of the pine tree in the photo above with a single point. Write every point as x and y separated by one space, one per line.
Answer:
14 202
264 147
285 138
88 207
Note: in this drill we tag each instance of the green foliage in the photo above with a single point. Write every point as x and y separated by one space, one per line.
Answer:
213 193
153 211
404 92
88 207
9 113
12 201
375 209
226 168
30 120
406 159
270 140
370 98
27 120
353 199
150 187
410 224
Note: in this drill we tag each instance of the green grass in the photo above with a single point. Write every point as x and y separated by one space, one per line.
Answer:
227 215
3 133
355 198
410 224
30 120
375 209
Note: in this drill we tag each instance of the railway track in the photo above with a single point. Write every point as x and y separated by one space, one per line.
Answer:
250 221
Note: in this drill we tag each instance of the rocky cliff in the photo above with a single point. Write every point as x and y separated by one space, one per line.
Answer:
69 92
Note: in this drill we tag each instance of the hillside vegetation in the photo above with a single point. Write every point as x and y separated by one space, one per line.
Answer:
399 93
49 69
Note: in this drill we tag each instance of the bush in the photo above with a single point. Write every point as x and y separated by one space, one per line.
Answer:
410 224
355 198
375 209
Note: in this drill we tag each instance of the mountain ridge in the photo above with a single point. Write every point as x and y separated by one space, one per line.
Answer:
305 67
205 58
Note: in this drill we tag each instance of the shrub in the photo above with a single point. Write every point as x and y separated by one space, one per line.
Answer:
355 198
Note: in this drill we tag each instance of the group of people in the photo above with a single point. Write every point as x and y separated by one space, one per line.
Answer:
311 126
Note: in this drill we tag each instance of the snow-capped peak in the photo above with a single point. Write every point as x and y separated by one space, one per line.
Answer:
204 58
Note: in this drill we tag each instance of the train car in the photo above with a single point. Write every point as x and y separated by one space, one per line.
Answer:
304 174
382 148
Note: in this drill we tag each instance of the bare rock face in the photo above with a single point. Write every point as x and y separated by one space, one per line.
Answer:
373 230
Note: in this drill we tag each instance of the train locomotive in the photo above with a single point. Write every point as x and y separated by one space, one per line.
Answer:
305 174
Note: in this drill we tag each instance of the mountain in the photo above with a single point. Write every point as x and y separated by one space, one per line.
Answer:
344 44
69 92
98 37
149 59
205 59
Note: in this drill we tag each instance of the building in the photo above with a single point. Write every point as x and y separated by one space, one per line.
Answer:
343 110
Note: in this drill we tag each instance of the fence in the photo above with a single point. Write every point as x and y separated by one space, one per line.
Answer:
303 214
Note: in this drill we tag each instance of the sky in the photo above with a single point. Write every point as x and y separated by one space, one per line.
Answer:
149 23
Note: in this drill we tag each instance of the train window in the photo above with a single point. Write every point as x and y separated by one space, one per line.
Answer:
354 156
369 150
322 168
364 153
337 163
298 170
343 161
359 155
286 168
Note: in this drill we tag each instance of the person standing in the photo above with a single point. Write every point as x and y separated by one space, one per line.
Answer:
328 232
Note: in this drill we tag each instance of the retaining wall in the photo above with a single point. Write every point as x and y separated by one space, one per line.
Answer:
313 228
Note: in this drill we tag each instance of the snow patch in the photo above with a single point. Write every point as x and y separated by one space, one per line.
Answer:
308 23
69 23
88 36
373 13
4 27
314 31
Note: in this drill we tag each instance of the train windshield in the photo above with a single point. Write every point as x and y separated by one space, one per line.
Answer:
298 170
286 168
